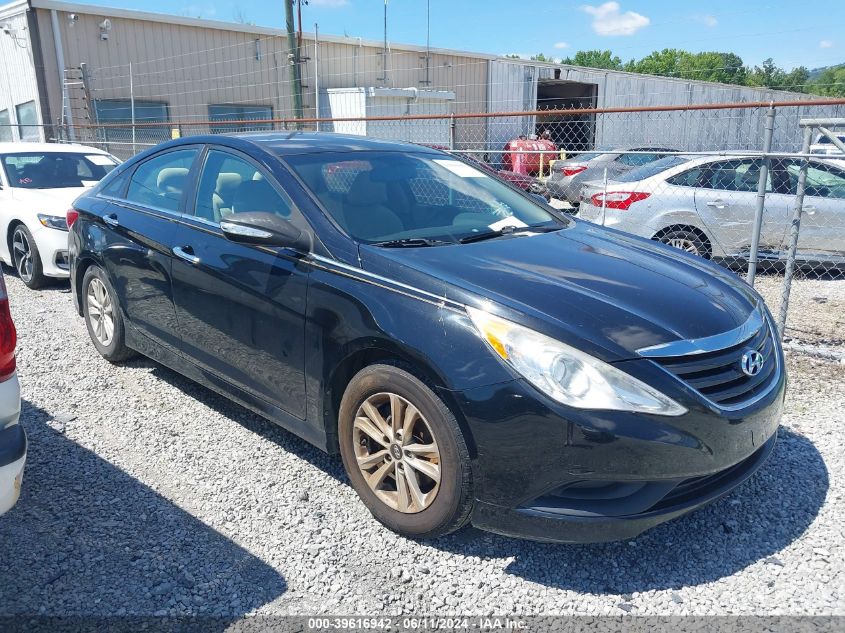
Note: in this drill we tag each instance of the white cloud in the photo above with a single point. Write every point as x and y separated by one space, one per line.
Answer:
608 19
561 45
826 44
710 20
328 4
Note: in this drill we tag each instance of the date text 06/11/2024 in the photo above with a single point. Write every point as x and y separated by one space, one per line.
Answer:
418 623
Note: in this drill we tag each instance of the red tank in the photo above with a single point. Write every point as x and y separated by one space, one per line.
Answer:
524 156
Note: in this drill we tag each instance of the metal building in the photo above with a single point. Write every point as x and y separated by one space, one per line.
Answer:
68 65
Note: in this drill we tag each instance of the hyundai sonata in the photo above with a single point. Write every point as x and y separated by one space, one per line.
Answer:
472 355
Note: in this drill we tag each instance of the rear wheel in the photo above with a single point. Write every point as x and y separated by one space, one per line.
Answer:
404 453
685 240
102 316
26 258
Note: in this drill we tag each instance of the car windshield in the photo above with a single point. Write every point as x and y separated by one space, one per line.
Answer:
651 169
407 198
55 170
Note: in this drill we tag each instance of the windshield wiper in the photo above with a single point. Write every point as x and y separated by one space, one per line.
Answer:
410 242
507 230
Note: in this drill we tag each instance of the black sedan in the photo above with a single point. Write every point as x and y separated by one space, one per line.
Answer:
473 355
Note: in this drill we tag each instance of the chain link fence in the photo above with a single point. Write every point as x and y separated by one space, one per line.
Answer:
757 188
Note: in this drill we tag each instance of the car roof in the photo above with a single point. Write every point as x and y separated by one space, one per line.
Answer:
14 148
296 142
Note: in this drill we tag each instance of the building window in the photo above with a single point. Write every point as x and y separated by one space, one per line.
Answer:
241 113
119 111
28 121
6 127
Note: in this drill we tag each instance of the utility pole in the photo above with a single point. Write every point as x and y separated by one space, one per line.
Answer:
293 60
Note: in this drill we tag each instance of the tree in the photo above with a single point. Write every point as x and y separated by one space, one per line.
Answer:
539 57
595 59
666 62
830 83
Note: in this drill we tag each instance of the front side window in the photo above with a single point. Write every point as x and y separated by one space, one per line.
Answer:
28 121
735 175
230 185
160 181
822 181
405 196
55 170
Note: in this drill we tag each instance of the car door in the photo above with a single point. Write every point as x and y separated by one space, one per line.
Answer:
139 225
823 220
726 201
241 309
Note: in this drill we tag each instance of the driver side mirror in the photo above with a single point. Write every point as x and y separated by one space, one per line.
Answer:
264 228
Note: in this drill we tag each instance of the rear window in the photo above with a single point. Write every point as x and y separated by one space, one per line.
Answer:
651 169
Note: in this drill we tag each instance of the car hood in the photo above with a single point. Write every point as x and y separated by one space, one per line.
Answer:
600 290
51 201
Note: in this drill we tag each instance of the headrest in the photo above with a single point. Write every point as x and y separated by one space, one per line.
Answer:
172 179
227 182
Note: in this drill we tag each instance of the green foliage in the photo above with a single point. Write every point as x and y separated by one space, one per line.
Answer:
595 59
714 66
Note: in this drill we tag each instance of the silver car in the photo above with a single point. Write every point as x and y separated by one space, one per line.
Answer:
706 206
567 176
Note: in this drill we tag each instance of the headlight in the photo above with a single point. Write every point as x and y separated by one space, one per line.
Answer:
566 374
53 221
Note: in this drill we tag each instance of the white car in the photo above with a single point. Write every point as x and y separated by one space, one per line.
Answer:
39 183
706 206
823 145
12 436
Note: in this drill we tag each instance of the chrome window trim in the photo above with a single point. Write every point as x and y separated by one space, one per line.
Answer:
704 345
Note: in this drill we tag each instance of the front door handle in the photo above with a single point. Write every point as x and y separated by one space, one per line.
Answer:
186 253
810 209
111 220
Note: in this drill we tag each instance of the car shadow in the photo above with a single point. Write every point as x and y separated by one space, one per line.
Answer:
752 524
87 539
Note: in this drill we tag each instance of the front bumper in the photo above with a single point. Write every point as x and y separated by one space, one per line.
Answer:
549 473
52 246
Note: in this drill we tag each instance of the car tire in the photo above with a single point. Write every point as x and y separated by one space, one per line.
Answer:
103 317
685 240
26 259
394 477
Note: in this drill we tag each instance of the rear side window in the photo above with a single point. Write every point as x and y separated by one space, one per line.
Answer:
651 169
160 181
688 178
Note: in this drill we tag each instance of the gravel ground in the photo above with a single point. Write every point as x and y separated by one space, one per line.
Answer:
145 494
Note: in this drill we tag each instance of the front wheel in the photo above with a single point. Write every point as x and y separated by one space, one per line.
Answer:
404 453
26 258
102 316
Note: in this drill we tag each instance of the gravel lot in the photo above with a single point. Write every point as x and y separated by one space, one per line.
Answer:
145 494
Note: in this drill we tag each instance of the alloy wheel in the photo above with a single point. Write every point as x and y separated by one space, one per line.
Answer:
22 255
684 244
397 452
100 312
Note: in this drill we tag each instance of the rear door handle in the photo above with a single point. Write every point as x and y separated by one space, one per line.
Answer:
718 204
111 219
810 210
186 253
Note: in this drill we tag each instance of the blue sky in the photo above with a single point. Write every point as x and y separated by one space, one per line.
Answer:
787 31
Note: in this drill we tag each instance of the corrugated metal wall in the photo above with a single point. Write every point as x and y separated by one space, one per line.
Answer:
19 84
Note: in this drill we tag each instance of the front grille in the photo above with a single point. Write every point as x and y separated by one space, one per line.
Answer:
718 376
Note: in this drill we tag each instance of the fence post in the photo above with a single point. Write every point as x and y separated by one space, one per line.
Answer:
794 229
452 131
761 195
132 108
317 74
